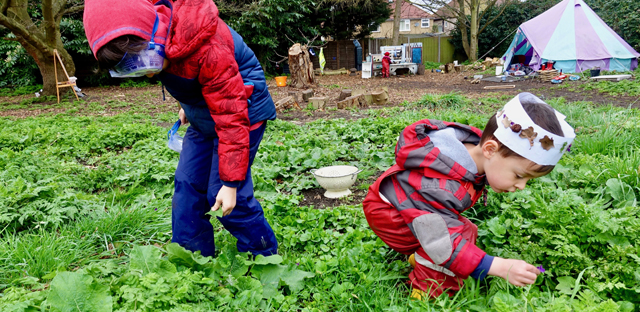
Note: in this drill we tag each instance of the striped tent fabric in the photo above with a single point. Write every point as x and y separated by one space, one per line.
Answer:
573 36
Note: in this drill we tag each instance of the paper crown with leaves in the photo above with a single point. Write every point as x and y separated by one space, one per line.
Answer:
518 132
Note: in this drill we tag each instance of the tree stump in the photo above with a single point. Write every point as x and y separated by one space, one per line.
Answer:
287 103
295 95
380 97
301 67
353 101
448 68
318 102
344 94
421 69
307 94
367 95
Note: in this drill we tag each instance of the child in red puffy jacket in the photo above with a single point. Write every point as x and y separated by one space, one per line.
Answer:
441 170
386 61
222 91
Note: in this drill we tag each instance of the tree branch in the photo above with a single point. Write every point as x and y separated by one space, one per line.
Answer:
20 31
4 5
290 39
504 6
48 23
435 6
71 10
490 5
280 61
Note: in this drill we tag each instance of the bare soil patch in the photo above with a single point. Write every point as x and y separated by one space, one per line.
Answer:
108 101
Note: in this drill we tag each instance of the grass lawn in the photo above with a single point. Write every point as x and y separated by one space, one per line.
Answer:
85 219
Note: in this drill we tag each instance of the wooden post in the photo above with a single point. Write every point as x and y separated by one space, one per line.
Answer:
338 54
438 48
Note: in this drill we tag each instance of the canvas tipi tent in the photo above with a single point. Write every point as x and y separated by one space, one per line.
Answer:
574 37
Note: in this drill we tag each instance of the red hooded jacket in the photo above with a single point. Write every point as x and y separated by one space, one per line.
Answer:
200 48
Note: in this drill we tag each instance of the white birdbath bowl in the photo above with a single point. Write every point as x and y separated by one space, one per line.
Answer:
336 179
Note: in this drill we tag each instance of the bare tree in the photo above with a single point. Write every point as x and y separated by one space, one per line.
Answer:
397 15
466 15
40 36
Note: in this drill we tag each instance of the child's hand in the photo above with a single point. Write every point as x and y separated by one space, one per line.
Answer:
183 117
516 272
226 199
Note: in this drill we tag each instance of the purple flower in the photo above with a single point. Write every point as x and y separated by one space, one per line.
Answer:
542 270
569 148
156 209
297 263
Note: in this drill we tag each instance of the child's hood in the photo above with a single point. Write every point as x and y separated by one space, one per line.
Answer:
107 20
194 23
424 145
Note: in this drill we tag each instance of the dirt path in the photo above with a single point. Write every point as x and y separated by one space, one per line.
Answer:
107 101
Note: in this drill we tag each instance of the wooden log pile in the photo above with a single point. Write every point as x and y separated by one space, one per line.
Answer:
547 75
287 103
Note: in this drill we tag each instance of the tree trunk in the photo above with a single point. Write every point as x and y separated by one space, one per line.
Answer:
475 23
40 39
301 67
397 15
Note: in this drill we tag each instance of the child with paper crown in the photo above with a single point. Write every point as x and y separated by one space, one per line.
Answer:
441 170
222 91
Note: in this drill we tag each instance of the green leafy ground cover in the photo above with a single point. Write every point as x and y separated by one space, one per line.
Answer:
85 220
615 88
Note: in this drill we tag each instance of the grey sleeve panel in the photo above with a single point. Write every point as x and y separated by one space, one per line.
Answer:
433 234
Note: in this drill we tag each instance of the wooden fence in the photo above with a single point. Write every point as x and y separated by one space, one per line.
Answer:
341 53
434 49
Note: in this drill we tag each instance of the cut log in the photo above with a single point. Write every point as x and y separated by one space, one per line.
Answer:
367 95
319 102
295 95
344 94
421 69
380 97
307 94
448 68
356 101
287 103
301 67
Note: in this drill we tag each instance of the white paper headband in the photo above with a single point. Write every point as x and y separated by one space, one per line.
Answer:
518 132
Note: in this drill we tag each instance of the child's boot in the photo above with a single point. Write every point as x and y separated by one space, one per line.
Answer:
418 294
412 260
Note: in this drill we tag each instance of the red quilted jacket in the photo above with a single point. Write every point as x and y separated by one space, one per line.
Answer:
431 190
200 49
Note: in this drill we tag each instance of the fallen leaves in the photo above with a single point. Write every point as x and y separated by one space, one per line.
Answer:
529 134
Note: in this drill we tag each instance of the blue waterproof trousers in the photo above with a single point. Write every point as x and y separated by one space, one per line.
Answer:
197 183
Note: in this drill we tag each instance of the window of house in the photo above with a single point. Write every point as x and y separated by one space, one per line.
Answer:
405 25
445 24
424 23
379 29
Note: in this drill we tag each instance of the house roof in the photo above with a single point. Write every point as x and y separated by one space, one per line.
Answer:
409 11
444 11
